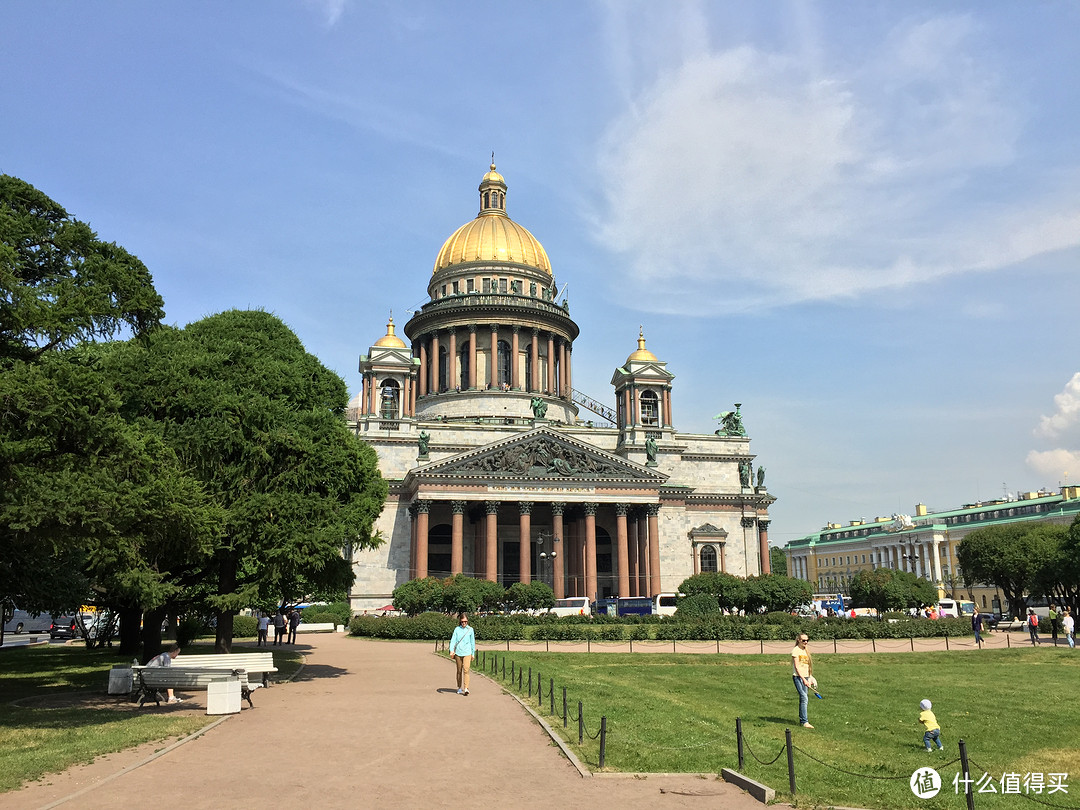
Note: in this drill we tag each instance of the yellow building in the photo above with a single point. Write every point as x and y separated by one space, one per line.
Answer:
924 543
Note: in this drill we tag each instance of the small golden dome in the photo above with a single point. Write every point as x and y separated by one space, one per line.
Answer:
642 353
390 340
492 236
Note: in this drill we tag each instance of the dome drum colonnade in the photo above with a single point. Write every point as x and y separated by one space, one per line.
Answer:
485 387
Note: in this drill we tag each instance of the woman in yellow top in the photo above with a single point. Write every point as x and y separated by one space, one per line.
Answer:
802 673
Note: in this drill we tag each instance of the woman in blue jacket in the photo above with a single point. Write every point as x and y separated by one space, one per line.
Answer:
462 649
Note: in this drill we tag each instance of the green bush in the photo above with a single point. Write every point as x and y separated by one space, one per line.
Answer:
697 606
310 617
245 627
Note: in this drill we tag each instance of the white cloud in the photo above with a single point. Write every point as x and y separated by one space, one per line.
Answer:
1056 465
738 179
1066 414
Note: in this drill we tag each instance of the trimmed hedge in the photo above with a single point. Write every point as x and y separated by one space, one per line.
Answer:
771 627
245 627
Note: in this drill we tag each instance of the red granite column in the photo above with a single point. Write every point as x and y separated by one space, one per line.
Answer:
412 541
557 582
373 388
636 401
457 522
569 371
434 357
623 551
479 552
452 364
635 569
493 376
472 356
763 546
525 542
654 549
422 508
669 420
491 541
515 376
591 583
562 372
643 551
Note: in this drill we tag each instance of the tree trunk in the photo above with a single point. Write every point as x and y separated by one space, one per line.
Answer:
151 633
129 630
226 585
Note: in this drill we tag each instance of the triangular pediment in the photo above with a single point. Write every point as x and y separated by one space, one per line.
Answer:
545 454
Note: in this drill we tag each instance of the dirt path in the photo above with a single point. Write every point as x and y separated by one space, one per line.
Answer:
366 724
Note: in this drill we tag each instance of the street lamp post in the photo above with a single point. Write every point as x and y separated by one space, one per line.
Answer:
548 557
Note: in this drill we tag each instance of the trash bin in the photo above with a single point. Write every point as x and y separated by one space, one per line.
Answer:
120 680
223 695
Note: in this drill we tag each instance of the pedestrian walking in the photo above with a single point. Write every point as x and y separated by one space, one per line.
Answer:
1053 617
294 622
977 625
264 628
462 649
802 674
1033 627
1069 627
279 627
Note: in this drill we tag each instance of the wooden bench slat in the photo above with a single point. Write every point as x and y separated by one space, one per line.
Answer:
149 680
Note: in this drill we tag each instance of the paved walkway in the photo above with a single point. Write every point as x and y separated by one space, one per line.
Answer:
368 724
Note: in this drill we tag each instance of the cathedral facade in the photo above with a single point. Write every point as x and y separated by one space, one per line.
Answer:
495 472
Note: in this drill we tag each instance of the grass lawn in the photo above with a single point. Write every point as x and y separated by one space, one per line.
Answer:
36 741
1015 709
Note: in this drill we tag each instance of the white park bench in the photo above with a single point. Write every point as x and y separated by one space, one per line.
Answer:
150 682
258 664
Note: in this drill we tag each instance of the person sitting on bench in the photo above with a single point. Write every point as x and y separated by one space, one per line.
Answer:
165 659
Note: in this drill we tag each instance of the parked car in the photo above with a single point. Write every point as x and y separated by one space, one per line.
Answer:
65 627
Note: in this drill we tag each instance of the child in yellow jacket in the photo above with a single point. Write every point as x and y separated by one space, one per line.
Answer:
933 730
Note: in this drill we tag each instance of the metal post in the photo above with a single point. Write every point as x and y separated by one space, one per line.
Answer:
968 795
521 675
530 681
504 669
603 739
946 643
580 725
539 691
564 707
834 650
738 738
912 644
512 671
790 761
551 695
761 643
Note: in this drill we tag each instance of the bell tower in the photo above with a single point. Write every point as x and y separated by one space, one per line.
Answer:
643 397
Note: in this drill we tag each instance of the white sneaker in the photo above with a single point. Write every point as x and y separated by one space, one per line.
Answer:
460 692
174 700
466 692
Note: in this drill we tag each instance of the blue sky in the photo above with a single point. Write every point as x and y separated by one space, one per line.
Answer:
860 220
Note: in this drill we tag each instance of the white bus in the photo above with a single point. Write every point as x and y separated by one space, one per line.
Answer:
572 606
665 604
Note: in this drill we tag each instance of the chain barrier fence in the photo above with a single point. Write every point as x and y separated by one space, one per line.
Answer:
965 768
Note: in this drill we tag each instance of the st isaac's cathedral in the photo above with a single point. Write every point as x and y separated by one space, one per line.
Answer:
495 472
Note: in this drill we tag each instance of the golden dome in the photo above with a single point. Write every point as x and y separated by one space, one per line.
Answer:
642 353
390 340
492 236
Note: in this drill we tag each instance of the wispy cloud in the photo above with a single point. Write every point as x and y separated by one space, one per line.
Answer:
330 10
743 179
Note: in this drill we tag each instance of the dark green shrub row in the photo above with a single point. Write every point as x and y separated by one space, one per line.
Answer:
771 627
320 618
245 627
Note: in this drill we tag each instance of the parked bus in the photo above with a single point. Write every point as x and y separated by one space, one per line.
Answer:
955 608
665 604
634 606
572 606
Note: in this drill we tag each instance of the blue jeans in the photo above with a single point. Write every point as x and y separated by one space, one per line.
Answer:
1034 633
1072 641
932 736
804 698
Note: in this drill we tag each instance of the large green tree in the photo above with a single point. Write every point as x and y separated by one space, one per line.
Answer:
728 590
775 592
260 423
885 589
1010 556
60 284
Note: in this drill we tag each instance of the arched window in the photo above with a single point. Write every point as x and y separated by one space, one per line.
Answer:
650 411
389 405
444 368
708 560
504 364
